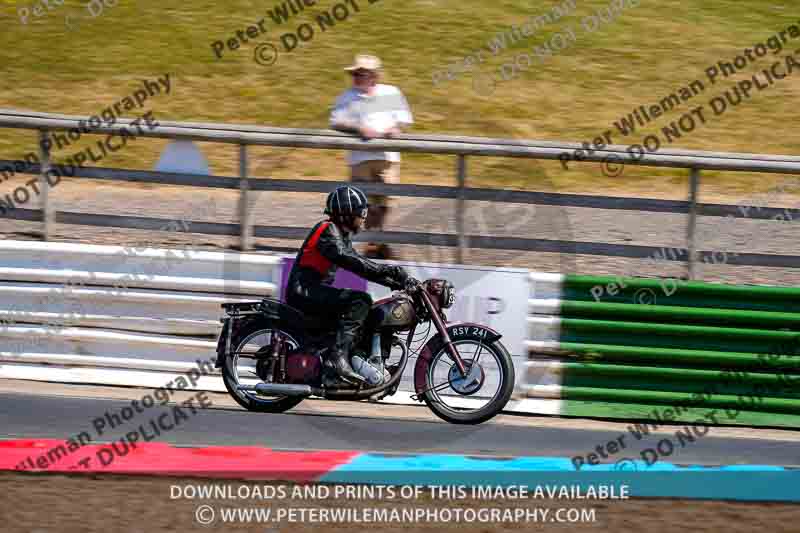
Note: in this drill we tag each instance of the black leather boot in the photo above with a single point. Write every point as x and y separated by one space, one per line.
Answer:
347 334
340 359
339 355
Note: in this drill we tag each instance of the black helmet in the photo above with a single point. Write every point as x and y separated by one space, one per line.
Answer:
346 201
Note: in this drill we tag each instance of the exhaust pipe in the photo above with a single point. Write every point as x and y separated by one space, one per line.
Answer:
279 389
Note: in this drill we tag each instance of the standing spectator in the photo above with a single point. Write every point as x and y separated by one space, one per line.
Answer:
372 110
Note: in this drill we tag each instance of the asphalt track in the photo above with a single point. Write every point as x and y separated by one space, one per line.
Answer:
313 426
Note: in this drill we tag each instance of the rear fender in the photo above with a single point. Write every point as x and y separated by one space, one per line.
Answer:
457 331
231 327
223 341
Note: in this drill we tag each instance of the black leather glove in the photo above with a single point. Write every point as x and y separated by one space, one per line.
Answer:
399 273
397 277
402 274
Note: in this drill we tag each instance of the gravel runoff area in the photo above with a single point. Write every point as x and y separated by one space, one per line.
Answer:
436 216
99 503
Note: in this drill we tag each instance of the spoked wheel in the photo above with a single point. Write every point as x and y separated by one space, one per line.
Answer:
480 395
249 364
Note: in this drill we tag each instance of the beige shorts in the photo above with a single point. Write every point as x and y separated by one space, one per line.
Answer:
376 171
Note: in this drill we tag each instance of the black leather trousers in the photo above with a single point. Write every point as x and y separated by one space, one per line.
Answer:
349 306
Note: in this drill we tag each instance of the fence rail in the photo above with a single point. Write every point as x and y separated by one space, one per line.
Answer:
460 146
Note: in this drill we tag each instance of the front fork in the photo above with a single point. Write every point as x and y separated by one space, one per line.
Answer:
442 329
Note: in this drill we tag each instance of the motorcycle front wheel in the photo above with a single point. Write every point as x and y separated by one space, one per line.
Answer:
482 394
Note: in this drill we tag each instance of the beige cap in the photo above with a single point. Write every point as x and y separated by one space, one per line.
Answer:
365 62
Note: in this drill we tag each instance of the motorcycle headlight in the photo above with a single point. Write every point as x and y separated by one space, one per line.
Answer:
443 292
448 295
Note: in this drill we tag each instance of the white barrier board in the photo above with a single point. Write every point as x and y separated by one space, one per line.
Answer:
493 296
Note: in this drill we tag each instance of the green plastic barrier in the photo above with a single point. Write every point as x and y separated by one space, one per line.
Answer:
631 347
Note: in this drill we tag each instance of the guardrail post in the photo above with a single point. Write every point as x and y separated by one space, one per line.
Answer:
246 229
694 185
461 251
48 214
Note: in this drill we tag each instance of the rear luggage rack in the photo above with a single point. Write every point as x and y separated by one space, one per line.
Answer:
241 307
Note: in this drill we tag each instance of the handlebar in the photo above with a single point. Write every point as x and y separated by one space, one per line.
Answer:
412 285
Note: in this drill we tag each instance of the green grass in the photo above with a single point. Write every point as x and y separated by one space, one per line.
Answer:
646 53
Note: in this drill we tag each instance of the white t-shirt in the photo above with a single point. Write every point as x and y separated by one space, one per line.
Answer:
383 110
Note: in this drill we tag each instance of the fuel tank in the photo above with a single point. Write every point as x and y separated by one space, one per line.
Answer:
395 311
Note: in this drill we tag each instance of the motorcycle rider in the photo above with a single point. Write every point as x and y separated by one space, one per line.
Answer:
327 247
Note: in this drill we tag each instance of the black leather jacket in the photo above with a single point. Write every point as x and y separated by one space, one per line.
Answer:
326 248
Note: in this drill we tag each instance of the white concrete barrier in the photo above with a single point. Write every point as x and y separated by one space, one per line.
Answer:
125 314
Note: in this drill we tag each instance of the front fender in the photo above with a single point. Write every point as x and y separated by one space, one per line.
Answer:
457 331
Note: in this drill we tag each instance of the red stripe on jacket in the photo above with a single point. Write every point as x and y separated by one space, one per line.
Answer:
311 257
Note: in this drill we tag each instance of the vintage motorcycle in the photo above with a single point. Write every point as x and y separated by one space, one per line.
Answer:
272 356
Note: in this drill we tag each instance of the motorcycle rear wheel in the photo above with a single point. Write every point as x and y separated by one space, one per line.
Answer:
254 333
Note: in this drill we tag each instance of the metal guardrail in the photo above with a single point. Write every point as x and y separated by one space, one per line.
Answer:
95 332
460 146
98 319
